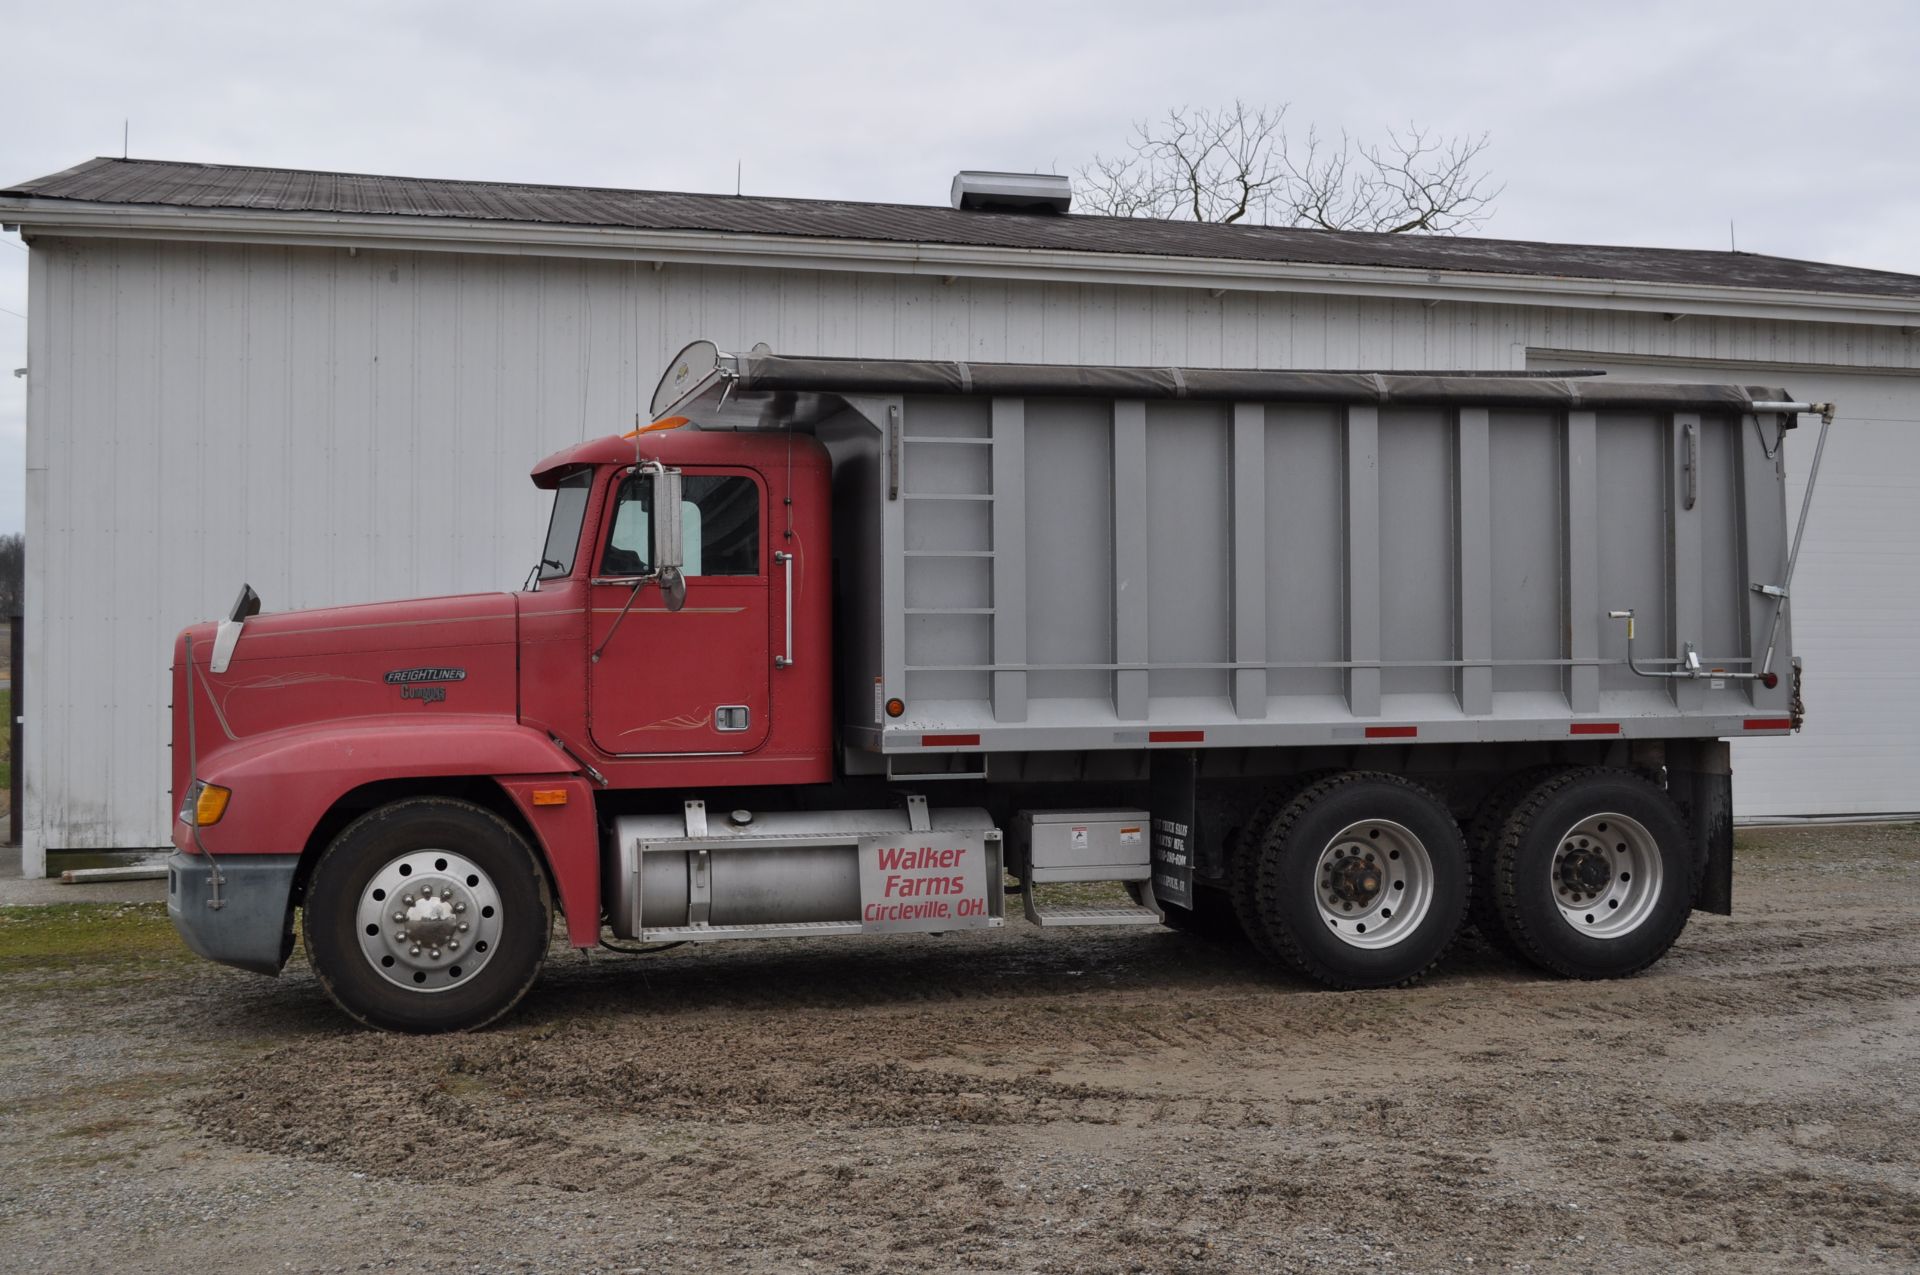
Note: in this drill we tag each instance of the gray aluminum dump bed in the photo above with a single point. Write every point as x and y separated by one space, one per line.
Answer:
1041 557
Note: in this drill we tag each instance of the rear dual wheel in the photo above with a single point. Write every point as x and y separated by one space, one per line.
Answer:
1359 880
1592 874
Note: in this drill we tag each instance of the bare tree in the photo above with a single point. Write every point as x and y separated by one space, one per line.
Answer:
1238 163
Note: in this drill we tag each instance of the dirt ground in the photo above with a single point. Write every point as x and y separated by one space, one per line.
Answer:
1013 1100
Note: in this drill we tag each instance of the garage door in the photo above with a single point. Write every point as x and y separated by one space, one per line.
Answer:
1856 594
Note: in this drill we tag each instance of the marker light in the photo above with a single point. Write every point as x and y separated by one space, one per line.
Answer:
205 804
665 422
895 707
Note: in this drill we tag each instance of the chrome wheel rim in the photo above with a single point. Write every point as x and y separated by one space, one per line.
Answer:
429 920
1373 883
1607 874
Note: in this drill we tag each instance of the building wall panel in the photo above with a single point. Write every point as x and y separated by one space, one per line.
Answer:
340 426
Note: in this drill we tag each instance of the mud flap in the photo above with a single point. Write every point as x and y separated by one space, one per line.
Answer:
1703 787
1171 793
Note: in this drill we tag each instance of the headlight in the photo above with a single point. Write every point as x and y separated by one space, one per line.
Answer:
204 804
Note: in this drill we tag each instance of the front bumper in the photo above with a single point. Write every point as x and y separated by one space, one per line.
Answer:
253 927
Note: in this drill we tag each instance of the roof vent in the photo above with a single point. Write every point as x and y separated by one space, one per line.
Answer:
1044 192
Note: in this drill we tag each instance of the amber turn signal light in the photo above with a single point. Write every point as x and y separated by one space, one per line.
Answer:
895 707
210 805
549 796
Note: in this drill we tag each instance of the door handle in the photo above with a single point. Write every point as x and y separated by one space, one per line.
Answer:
786 661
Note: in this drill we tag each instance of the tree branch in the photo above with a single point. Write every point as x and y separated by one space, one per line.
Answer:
1238 163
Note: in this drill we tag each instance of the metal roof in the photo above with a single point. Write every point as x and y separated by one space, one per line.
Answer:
172 184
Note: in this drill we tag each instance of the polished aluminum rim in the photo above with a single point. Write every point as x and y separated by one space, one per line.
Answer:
429 920
1373 883
1607 874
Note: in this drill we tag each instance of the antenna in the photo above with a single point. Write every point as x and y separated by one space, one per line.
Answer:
1733 245
736 179
126 131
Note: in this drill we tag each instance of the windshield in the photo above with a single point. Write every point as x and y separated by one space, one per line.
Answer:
563 530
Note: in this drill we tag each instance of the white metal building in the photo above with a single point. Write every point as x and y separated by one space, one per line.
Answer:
332 387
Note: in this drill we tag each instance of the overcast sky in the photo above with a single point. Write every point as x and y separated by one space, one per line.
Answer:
1631 123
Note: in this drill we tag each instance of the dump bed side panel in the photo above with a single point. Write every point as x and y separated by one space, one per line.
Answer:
1101 573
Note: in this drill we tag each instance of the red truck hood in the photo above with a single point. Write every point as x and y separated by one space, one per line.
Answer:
427 655
470 619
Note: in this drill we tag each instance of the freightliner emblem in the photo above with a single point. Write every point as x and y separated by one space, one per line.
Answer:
409 676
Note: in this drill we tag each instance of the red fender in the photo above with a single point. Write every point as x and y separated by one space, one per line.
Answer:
569 835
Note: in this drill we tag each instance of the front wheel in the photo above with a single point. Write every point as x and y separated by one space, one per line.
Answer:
427 915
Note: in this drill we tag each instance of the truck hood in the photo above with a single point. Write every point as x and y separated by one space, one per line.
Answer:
469 619
427 655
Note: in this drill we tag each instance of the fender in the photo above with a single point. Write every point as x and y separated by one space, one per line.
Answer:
283 782
567 831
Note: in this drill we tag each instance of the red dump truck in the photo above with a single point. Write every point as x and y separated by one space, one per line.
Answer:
1342 662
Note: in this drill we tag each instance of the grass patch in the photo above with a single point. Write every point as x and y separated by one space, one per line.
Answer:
1076 894
70 934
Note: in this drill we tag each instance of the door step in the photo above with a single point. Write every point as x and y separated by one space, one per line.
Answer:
1099 914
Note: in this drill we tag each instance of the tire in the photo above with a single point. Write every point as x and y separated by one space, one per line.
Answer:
1483 836
472 946
1593 874
1243 862
1389 917
1243 867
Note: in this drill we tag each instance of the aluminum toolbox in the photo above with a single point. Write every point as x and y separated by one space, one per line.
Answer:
1082 845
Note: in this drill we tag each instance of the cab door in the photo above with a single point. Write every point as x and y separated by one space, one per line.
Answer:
696 680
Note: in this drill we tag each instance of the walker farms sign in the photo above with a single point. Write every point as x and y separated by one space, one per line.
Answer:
923 881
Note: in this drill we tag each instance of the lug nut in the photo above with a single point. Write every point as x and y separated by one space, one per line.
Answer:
446 894
399 916
435 954
414 951
463 926
406 898
459 907
453 945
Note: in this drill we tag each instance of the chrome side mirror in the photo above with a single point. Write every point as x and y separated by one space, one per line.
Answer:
668 551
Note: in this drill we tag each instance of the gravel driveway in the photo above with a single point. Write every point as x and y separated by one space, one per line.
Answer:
1020 1100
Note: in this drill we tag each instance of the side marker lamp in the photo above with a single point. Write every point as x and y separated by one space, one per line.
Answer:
205 804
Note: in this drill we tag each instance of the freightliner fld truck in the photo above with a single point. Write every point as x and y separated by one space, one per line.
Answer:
1342 662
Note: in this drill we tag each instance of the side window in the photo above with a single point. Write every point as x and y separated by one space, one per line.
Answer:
719 521
563 528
